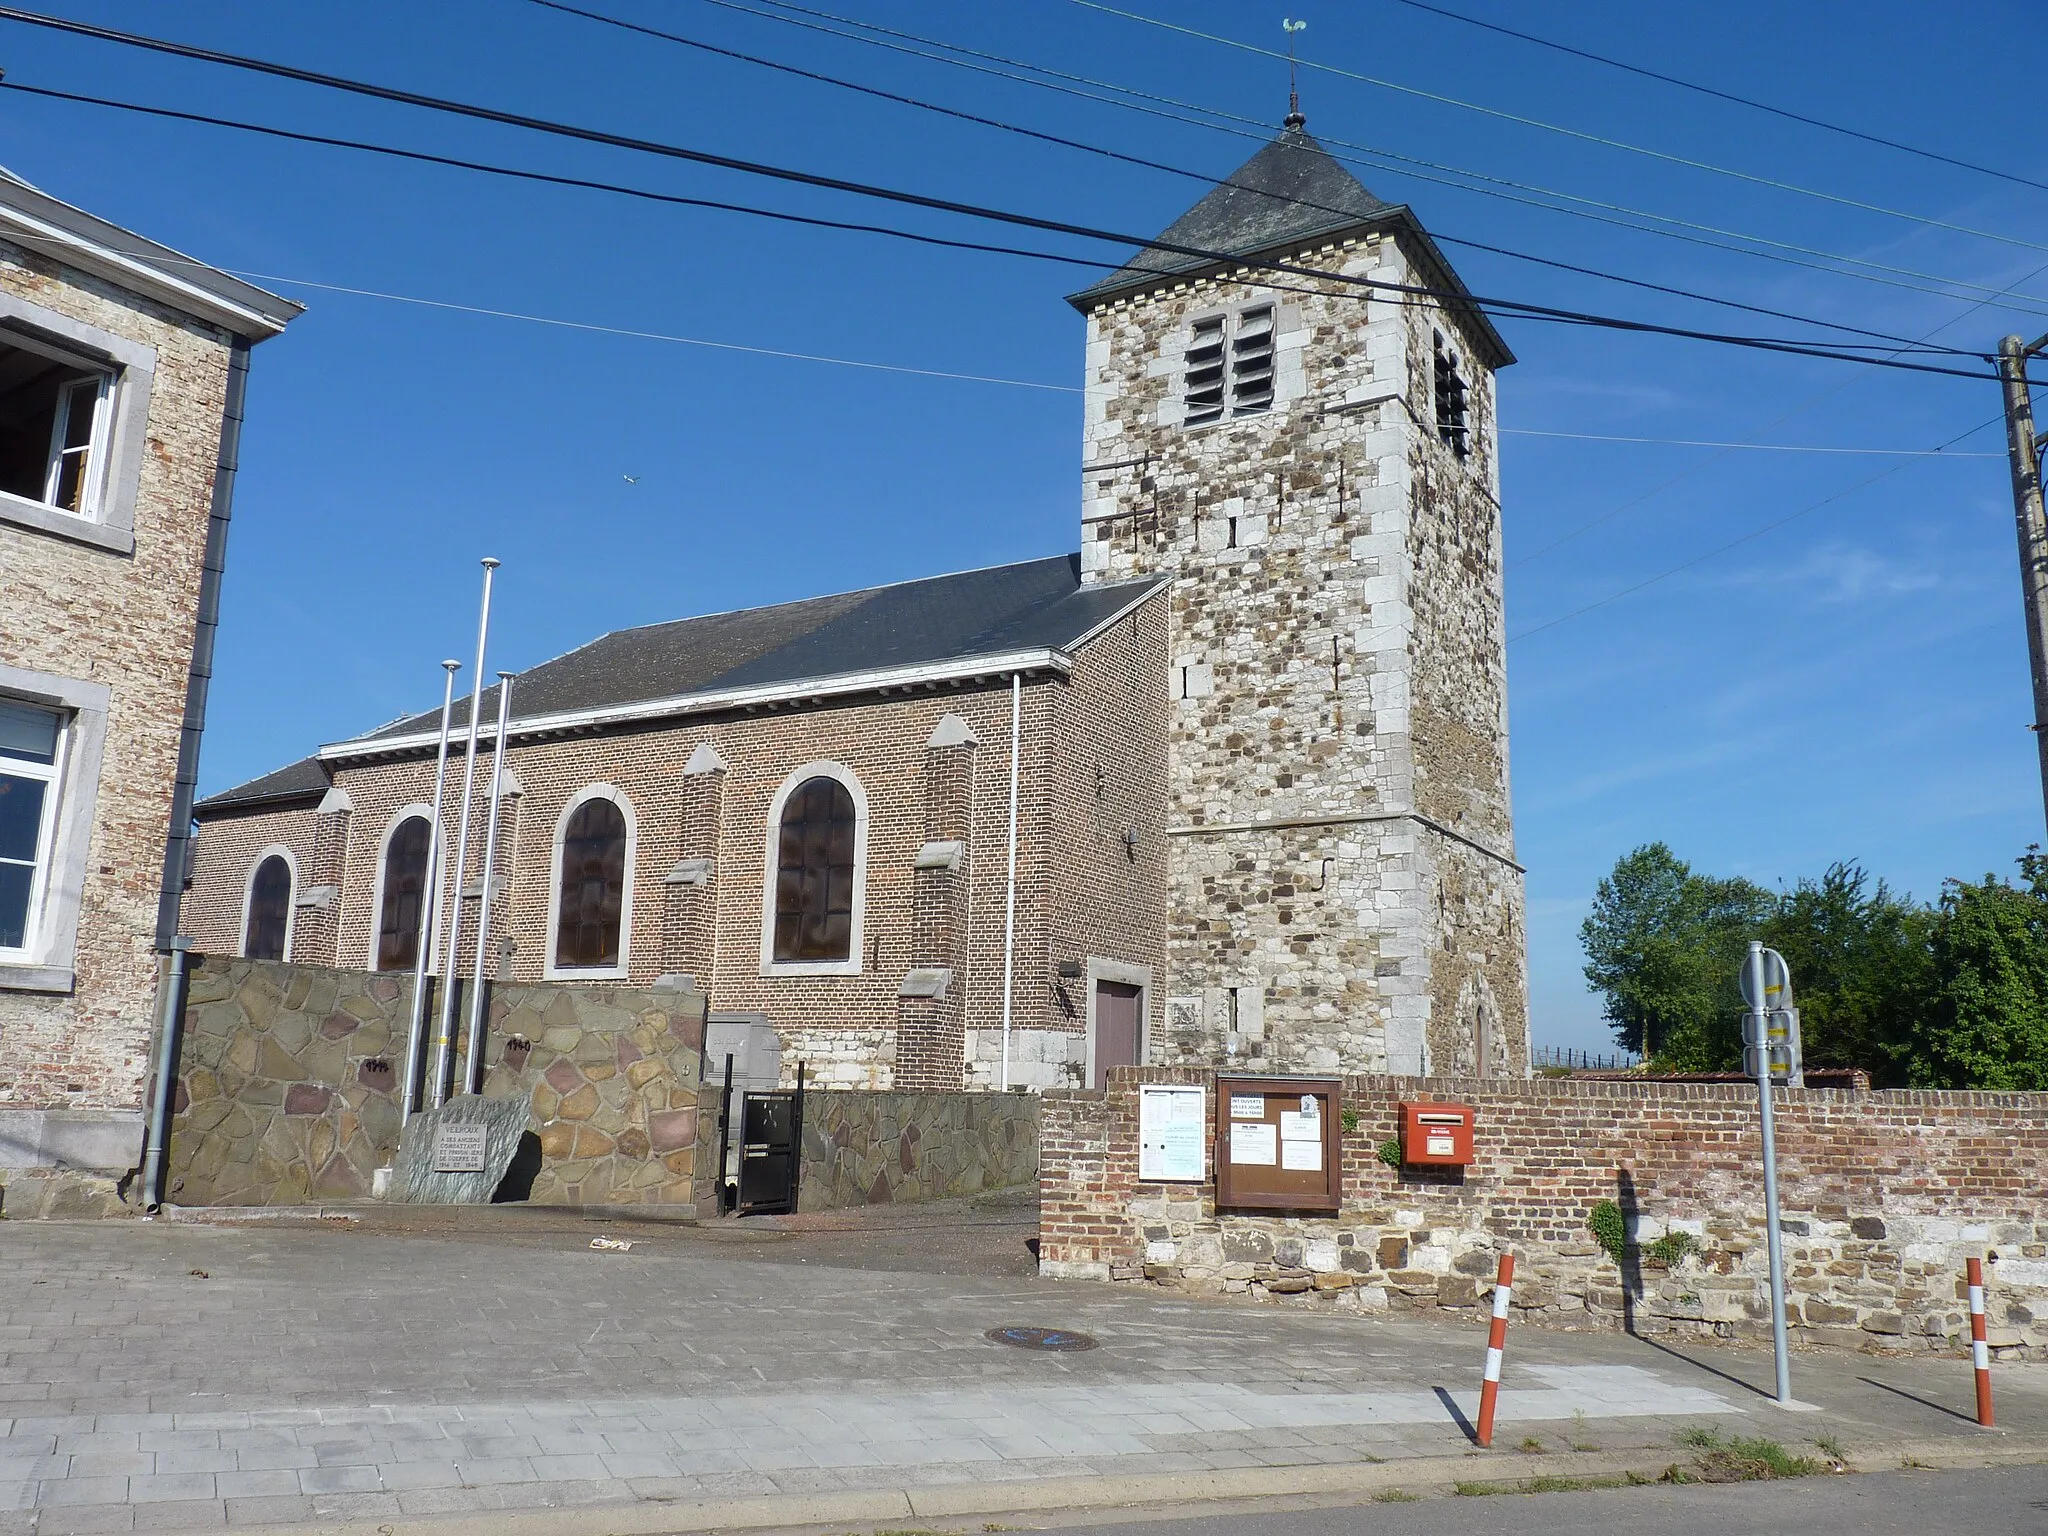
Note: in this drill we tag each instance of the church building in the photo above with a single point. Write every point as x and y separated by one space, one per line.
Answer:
1227 786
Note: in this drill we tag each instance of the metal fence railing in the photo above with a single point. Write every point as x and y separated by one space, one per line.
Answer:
1581 1061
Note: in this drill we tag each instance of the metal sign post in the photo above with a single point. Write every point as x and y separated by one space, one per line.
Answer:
1768 1035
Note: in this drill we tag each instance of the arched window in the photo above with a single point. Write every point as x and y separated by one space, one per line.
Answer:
404 893
814 867
590 903
267 926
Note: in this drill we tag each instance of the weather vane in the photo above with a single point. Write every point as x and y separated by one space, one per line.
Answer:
1290 26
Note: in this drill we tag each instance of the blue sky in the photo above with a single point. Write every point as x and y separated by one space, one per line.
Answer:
1851 685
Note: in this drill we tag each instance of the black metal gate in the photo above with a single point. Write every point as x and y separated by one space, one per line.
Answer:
771 1148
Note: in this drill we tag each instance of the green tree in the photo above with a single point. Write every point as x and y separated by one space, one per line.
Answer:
1663 947
1862 969
1987 1026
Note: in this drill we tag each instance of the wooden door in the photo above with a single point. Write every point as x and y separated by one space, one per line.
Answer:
1119 1028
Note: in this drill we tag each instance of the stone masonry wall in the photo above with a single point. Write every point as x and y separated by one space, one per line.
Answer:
898 1148
125 621
1883 1196
288 1085
1323 556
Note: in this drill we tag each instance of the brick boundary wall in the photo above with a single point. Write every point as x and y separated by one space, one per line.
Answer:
1884 1195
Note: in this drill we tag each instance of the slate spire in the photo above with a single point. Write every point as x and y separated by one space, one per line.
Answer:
1290 193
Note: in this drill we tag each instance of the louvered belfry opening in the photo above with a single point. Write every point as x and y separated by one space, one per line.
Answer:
1251 362
1450 402
1229 366
1205 372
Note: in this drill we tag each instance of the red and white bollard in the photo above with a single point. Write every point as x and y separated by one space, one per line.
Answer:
1980 1351
1496 1341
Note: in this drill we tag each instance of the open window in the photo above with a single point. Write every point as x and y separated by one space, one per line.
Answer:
1228 368
31 764
55 412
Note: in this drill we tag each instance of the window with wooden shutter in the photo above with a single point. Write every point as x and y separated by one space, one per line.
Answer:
1251 362
1205 372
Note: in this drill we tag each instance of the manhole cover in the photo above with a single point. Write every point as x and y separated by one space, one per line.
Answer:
1063 1340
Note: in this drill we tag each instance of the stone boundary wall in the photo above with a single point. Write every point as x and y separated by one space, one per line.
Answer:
862 1148
1884 1195
288 1085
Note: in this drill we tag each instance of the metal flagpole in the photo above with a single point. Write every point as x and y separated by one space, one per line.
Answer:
430 898
475 1067
444 1039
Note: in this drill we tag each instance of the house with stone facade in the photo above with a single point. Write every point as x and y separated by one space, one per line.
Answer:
123 366
1229 784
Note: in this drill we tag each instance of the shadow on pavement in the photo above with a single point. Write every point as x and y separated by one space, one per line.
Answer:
1911 1398
1458 1414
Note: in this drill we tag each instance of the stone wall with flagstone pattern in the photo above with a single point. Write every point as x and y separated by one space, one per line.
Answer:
288 1085
862 1148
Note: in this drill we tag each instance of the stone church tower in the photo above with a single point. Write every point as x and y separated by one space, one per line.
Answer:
1315 462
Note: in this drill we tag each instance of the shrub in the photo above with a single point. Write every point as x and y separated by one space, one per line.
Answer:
1608 1229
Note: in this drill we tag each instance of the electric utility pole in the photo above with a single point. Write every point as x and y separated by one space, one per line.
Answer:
2024 445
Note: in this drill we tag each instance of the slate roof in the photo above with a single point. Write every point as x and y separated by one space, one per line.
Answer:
1292 193
1039 604
307 779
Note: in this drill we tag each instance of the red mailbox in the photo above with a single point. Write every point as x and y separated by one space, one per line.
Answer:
1436 1134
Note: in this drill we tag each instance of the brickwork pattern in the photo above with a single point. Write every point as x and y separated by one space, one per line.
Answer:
224 859
1883 1196
1090 745
126 621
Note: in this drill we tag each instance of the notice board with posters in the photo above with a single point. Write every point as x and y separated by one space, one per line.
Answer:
1277 1143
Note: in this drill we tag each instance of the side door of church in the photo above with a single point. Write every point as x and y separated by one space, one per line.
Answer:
1119 1029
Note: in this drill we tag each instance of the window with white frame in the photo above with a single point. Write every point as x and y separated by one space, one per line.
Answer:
31 768
56 411
816 876
591 920
1229 366
267 916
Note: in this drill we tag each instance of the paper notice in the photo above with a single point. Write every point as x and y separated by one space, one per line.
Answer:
1294 1127
1170 1133
1255 1144
1247 1106
1302 1156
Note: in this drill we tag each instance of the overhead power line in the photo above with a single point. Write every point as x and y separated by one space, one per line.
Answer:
1695 442
1720 95
1573 133
1519 308
1755 533
1142 162
1369 157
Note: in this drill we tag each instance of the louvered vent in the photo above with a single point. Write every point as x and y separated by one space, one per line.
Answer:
1450 402
1205 372
1251 362
1229 366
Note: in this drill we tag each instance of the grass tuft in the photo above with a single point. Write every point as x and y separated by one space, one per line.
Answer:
1396 1496
1532 1446
1742 1458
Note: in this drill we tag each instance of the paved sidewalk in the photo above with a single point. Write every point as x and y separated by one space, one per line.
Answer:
327 1372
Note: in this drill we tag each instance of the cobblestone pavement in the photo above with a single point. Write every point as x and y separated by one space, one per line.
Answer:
159 1376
